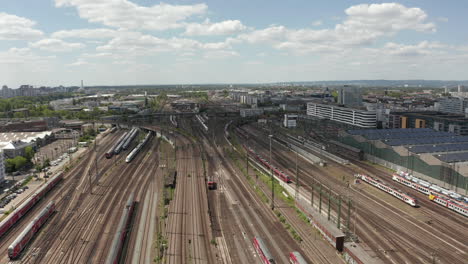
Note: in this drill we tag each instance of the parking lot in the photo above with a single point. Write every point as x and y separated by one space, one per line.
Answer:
14 196
54 150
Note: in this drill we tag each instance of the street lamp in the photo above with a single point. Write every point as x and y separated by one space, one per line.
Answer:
272 179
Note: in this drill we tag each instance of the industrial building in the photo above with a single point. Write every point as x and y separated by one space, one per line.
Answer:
251 112
350 96
438 157
350 116
454 123
290 121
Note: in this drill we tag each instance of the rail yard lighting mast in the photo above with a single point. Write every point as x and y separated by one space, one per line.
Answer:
272 179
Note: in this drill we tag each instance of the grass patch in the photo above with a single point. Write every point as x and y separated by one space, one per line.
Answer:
26 181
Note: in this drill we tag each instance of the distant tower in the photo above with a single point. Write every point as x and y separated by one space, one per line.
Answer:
82 84
460 88
446 90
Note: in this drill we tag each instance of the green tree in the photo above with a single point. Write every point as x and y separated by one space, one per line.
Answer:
9 165
16 163
29 153
18 115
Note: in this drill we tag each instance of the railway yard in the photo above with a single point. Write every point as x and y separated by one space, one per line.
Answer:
193 190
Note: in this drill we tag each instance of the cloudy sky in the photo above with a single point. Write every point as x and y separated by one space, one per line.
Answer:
112 42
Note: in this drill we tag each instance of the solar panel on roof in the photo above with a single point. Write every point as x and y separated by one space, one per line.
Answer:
453 157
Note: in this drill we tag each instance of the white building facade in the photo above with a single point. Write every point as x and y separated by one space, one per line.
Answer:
2 167
290 121
350 116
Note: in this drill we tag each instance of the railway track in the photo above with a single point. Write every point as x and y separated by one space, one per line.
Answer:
403 224
252 216
56 194
80 230
188 230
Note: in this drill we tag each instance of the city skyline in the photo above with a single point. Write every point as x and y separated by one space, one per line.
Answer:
141 42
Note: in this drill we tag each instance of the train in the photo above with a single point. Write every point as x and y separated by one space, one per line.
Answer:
137 149
226 129
388 189
17 214
449 203
14 250
212 185
263 251
123 228
280 174
437 194
296 258
173 120
131 136
109 153
202 122
120 144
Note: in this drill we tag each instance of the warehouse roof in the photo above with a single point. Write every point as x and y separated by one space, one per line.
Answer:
23 136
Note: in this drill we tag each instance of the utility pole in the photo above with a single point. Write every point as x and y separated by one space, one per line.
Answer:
338 223
329 203
297 180
247 161
272 180
90 182
96 157
312 194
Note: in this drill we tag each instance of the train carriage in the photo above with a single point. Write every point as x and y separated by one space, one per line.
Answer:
17 214
296 258
14 250
388 189
263 251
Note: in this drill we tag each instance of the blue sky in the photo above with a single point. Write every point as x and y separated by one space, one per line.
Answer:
117 42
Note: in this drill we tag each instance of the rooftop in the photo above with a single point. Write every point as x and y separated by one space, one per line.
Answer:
7 137
445 146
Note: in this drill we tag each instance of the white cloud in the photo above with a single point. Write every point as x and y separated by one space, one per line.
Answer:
317 23
421 49
95 33
385 18
97 55
128 15
269 34
17 28
220 54
22 56
56 45
139 44
207 28
254 62
79 62
363 25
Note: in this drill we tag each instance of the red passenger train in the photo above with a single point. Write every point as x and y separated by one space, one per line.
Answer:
17 214
296 258
388 189
263 251
28 233
280 174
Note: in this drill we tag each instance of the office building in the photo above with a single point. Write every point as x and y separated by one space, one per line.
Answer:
290 121
345 115
453 105
350 96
